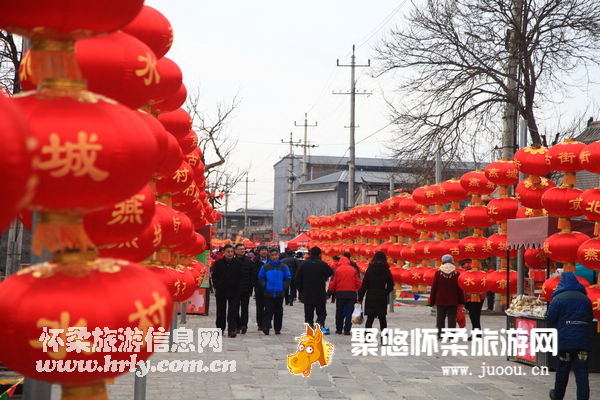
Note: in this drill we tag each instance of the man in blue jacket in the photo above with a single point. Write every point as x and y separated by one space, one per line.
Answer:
571 313
275 278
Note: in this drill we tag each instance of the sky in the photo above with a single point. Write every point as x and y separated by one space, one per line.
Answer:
279 58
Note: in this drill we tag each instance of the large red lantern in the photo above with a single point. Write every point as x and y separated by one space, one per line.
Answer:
450 246
477 182
171 103
564 156
562 246
408 229
502 172
122 221
473 247
407 254
473 281
503 208
153 28
593 293
177 181
535 258
533 160
169 156
85 296
409 206
189 142
170 81
496 245
178 123
452 221
476 217
81 159
119 66
496 282
529 191
67 19
138 248
17 182
588 253
589 157
563 202
426 195
452 190
423 249
590 203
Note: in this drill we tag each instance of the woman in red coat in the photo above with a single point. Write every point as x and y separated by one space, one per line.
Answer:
446 295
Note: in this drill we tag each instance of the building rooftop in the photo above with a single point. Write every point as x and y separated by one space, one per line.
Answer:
591 133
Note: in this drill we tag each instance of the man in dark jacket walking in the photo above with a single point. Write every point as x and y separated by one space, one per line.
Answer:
344 285
274 278
571 313
261 258
292 263
310 281
246 267
226 278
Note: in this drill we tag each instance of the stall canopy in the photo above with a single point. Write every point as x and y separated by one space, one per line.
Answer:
531 232
301 240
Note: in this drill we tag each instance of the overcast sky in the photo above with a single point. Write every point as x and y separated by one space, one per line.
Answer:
280 58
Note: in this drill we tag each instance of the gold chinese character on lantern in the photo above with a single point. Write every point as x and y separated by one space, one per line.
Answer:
584 157
149 71
129 211
181 175
593 206
469 281
176 224
154 315
62 324
566 157
470 247
450 222
474 182
493 172
76 158
591 254
492 210
157 235
575 204
512 173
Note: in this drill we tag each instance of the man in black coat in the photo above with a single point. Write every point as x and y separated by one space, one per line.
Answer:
226 281
292 263
246 268
261 258
311 278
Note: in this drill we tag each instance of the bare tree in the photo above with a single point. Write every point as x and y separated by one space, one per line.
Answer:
454 58
217 147
10 59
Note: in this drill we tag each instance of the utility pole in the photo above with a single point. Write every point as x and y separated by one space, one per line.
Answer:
304 176
226 203
352 93
510 121
246 194
290 206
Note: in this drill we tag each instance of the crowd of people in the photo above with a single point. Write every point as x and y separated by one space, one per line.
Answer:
274 278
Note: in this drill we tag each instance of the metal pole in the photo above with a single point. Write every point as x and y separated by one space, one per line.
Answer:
246 208
291 184
520 259
226 204
173 326
139 386
183 313
438 166
391 186
351 161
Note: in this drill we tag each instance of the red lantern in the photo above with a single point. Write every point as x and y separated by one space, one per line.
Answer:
503 172
593 293
408 255
426 195
530 190
429 276
473 247
189 142
164 160
67 19
122 221
188 199
473 281
496 245
420 221
415 277
450 246
563 202
477 182
452 190
525 212
408 229
503 208
550 285
476 217
119 66
590 203
81 159
171 103
170 82
396 274
177 181
139 248
178 123
589 158
588 253
66 296
452 221
395 251
535 258
15 161
152 28
564 156
563 246
409 206
496 282
423 249
533 160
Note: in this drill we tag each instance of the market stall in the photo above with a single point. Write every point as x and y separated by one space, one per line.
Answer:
528 312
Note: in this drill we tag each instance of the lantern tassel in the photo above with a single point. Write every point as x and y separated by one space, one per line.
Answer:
87 391
59 232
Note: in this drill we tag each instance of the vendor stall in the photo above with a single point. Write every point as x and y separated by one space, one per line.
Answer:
528 312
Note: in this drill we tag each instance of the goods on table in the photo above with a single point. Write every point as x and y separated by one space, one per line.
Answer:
527 306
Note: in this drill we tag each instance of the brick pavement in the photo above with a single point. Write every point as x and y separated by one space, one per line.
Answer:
262 372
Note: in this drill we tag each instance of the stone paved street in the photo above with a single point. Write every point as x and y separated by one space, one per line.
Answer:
262 372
